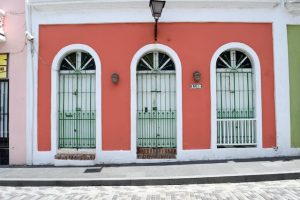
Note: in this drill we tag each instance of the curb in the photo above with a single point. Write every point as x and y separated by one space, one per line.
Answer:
147 181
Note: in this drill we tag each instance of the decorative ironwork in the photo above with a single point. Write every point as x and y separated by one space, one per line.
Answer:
156 61
156 99
236 122
77 106
78 62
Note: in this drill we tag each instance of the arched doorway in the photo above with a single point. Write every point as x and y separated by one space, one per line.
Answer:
77 101
156 106
235 100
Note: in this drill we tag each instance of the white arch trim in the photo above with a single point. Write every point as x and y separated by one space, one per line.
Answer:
54 96
256 65
173 55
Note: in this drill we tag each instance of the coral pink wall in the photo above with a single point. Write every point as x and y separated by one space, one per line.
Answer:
14 27
116 44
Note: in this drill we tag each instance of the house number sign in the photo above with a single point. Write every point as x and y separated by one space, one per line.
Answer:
196 86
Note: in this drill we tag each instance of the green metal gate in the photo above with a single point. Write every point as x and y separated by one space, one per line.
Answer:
236 122
156 101
4 129
4 110
77 106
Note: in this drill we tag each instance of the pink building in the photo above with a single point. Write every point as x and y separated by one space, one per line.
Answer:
13 49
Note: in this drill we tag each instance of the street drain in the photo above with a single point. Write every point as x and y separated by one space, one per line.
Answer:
93 170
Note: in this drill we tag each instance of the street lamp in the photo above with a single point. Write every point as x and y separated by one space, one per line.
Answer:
156 9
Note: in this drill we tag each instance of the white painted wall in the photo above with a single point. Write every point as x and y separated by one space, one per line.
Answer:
121 11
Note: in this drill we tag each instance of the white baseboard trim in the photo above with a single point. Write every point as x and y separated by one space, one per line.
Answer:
58 162
124 157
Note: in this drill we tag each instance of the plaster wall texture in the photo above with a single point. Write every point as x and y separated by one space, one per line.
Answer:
15 46
96 13
195 43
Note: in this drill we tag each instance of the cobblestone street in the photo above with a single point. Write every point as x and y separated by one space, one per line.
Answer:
261 190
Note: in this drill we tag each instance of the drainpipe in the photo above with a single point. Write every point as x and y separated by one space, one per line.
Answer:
30 99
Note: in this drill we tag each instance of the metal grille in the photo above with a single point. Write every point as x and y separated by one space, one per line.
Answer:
156 99
4 116
236 123
77 106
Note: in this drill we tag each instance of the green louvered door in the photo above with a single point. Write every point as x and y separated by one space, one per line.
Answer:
156 102
77 106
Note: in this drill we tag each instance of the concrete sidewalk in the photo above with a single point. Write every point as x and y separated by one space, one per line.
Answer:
154 174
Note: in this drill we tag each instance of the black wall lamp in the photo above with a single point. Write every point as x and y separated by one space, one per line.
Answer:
196 76
156 9
115 78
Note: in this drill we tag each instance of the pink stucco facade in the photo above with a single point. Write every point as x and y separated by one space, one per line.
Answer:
15 46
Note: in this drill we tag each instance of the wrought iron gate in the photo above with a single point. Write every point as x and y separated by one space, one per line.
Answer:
156 101
77 106
4 116
236 122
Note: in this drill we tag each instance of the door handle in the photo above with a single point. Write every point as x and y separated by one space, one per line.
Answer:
75 93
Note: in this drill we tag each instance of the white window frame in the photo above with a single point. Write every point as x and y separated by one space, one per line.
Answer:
257 84
54 95
136 58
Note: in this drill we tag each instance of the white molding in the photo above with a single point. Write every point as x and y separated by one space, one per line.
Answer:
34 109
117 157
54 97
199 154
58 162
224 4
173 55
234 153
293 6
281 82
43 158
111 15
257 73
58 5
29 93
